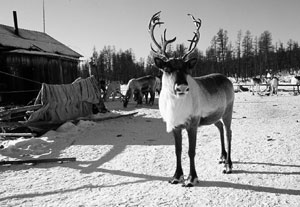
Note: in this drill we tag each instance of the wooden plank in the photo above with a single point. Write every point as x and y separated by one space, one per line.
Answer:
263 84
41 126
21 109
9 92
11 124
18 134
110 117
37 161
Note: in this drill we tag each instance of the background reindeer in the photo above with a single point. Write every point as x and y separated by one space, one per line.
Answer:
296 81
255 85
135 86
113 88
186 102
274 86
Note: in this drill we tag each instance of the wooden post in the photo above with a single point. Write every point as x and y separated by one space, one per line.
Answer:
36 161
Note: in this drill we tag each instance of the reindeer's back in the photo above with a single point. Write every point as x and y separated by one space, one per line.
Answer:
216 97
215 82
216 88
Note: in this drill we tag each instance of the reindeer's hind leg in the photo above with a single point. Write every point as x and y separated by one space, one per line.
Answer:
227 123
152 97
223 156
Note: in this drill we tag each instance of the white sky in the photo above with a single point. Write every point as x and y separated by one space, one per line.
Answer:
83 24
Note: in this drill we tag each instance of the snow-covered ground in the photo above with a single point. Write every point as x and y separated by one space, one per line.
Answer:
128 161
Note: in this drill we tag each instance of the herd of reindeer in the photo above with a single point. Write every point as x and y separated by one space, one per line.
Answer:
272 84
140 88
186 102
137 89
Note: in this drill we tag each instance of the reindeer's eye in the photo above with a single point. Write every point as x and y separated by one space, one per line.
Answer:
168 70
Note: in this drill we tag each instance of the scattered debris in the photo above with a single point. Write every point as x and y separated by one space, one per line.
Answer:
270 139
6 114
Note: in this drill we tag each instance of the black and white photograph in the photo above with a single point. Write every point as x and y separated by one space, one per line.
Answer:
149 103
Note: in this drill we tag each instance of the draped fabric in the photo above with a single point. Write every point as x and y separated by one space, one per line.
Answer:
67 101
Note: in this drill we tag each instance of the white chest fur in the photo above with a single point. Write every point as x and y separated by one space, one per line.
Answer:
176 110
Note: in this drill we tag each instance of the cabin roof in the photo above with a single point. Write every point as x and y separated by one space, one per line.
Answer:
32 42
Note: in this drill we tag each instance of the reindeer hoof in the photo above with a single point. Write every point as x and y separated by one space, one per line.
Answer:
190 182
222 160
227 170
176 181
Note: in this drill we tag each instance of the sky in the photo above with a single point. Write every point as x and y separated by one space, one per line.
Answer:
87 24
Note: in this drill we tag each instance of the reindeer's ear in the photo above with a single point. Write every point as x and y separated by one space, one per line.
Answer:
159 63
191 63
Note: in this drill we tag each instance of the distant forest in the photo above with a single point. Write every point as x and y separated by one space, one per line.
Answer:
247 57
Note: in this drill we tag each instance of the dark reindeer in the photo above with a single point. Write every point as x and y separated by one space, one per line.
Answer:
146 91
187 103
136 86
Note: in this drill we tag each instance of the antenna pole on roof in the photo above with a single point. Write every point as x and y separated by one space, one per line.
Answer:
44 27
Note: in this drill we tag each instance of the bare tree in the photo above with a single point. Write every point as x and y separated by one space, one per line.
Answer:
248 53
222 43
265 48
239 53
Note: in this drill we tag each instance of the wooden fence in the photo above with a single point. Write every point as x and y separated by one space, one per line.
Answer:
281 87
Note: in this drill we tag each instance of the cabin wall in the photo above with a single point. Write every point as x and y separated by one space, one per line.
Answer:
39 69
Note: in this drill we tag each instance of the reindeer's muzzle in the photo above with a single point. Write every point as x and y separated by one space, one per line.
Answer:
181 89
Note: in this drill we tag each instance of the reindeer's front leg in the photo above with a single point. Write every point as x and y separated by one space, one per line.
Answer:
192 134
178 176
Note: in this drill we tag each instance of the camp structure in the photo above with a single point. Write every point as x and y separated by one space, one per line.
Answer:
65 102
29 58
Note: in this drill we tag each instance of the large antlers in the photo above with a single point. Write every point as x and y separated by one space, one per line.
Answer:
196 37
155 20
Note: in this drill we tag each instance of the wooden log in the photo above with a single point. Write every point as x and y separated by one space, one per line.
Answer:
18 134
37 161
20 109
41 126
264 84
11 124
109 117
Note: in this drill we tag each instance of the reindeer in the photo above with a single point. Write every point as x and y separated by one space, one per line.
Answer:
113 88
187 103
135 87
295 80
158 85
145 92
255 83
274 86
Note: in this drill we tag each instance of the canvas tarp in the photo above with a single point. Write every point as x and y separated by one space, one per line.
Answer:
67 101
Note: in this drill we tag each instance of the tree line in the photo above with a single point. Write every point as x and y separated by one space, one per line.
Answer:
248 56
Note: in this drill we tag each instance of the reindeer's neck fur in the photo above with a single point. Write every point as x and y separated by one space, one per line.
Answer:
178 110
